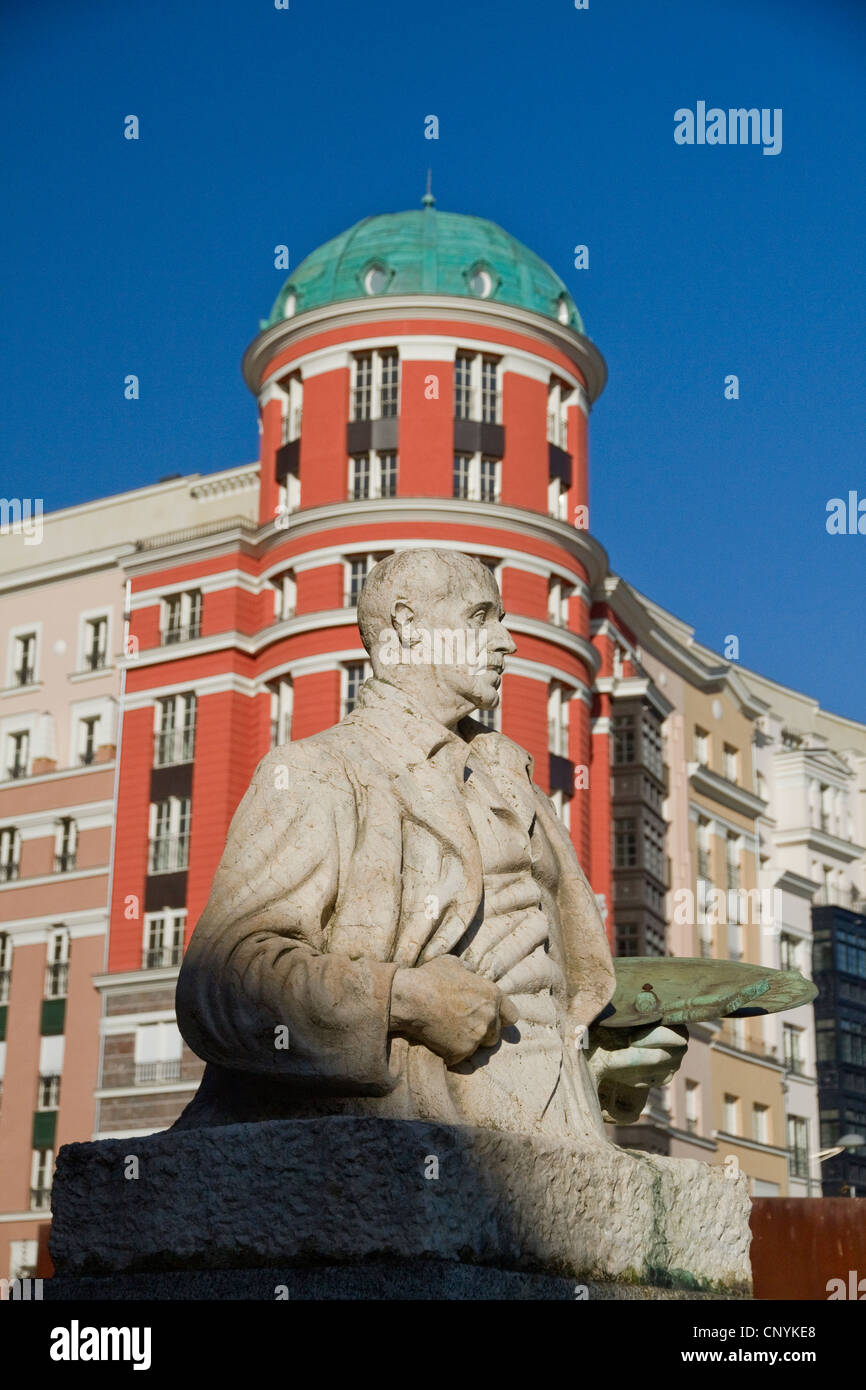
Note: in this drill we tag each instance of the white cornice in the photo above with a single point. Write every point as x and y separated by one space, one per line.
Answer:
821 842
708 783
137 979
360 313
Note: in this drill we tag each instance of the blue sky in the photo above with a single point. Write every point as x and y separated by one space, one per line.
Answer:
261 127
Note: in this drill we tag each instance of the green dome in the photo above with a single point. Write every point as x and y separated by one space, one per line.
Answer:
425 252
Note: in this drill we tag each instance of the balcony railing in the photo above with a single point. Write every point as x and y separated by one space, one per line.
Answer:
94 661
40 1199
25 675
5 978
64 862
189 633
169 855
8 872
56 980
173 746
798 1163
17 769
160 957
795 1065
150 1073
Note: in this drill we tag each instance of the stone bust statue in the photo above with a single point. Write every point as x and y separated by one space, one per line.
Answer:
399 925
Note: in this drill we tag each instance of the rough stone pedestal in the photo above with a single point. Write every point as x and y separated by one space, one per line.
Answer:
342 1207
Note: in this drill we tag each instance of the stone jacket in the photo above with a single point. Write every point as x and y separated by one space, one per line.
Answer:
352 854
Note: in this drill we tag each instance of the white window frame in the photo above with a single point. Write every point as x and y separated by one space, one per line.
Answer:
285 588
190 601
558 595
176 731
158 1051
282 708
65 844
377 358
175 827
559 397
474 461
731 1114
170 926
374 459
476 403
292 407
558 701
557 499
10 853
368 560
41 1176
17 739
33 629
93 615
344 682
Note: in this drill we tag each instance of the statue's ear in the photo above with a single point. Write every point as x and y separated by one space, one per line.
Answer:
402 620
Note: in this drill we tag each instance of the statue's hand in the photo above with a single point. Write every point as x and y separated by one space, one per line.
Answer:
448 1008
626 1063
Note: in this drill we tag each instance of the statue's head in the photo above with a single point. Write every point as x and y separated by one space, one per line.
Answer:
432 621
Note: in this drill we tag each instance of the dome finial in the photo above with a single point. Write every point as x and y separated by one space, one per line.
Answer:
428 200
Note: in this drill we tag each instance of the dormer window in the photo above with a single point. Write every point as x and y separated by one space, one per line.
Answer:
563 312
481 282
376 279
290 305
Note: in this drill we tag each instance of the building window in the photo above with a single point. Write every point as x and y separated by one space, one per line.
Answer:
158 1051
163 939
851 954
168 850
625 843
654 849
10 853
372 475
5 966
18 753
558 595
65 845
476 478
798 1146
789 952
852 1042
42 1167
87 739
732 861
182 617
731 1114
702 747
25 658
95 643
624 745
174 740
731 763
557 719
476 387
693 1106
354 676
48 1092
792 1039
761 1123
558 399
557 499
293 406
375 384
282 703
57 965
651 745
355 571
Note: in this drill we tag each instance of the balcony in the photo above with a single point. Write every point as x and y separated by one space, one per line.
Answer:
64 862
18 769
94 661
25 675
152 1073
161 957
5 981
8 872
40 1199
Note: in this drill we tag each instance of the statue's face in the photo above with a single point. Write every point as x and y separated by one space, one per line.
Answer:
466 642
